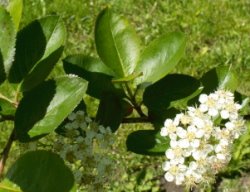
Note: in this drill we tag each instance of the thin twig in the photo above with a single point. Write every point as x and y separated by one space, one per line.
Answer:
133 101
7 118
5 152
136 120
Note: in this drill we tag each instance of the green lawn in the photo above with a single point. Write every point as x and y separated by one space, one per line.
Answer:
217 31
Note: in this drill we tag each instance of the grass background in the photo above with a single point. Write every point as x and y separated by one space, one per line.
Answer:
218 33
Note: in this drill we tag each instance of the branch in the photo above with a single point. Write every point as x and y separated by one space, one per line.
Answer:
5 152
136 120
133 101
7 118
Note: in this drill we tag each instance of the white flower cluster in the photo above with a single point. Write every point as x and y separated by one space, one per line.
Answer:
85 149
201 139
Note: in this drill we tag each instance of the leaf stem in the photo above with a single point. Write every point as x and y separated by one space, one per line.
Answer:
5 152
133 101
7 99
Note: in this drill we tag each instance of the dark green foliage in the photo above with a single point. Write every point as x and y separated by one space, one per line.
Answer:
41 171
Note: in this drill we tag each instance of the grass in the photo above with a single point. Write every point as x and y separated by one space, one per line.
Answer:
217 33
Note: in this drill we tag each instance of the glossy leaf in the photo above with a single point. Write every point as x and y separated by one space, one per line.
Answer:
41 171
15 8
41 70
95 72
33 66
172 88
110 111
30 47
55 33
160 57
147 142
220 77
7 45
45 107
82 65
117 43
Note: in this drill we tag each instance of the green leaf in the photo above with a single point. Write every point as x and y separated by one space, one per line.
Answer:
117 43
244 101
220 77
41 70
82 66
30 47
147 142
95 72
33 66
7 45
61 130
172 88
160 57
41 171
6 108
110 111
15 8
7 186
158 117
55 33
45 107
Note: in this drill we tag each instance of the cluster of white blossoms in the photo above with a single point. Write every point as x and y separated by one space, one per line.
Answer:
85 149
201 139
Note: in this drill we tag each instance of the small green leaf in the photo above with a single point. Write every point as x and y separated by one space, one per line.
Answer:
7 45
160 57
15 8
95 72
220 77
41 171
111 111
45 107
172 88
117 43
147 142
6 108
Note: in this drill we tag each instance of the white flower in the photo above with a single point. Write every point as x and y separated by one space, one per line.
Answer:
203 98
180 132
202 138
224 114
175 173
164 132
